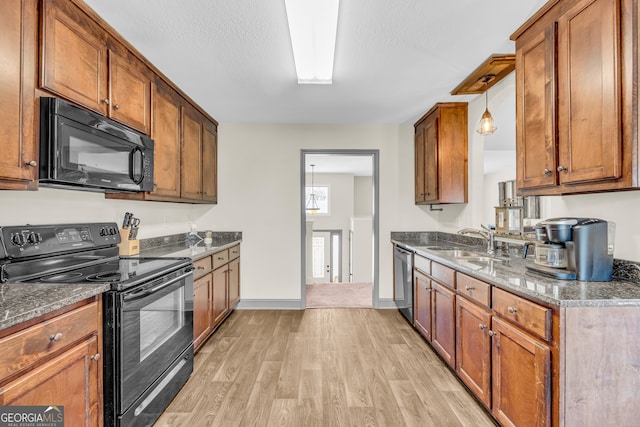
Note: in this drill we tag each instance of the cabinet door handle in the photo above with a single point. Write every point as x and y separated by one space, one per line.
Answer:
116 107
56 337
512 310
105 101
469 288
547 171
95 357
200 267
482 326
561 168
32 163
492 334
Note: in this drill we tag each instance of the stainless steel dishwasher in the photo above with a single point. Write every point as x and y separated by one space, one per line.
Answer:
403 281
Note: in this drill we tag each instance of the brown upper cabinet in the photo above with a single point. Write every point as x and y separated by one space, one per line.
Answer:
87 62
441 155
575 100
18 42
80 62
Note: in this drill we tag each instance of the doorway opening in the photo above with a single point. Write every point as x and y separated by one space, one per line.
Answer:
339 239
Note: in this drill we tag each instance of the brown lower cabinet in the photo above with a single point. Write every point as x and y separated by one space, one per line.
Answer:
56 361
443 323
216 292
521 377
473 348
422 304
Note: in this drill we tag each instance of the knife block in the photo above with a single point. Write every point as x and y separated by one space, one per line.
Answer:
128 247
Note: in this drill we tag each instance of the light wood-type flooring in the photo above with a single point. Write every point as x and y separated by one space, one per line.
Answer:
321 367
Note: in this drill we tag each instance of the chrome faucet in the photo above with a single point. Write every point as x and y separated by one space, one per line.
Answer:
487 234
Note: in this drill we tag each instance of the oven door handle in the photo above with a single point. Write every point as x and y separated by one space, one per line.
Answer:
148 291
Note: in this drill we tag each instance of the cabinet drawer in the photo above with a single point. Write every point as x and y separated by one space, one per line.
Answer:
444 275
421 263
530 316
234 252
220 258
26 348
203 266
474 289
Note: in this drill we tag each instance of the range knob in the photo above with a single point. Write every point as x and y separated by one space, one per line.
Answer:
32 238
112 231
103 231
17 239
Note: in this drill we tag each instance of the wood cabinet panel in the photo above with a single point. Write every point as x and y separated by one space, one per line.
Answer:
191 154
202 266
528 315
589 126
202 309
443 334
209 162
443 274
575 85
220 295
431 172
536 110
220 258
473 348
422 304
74 55
234 252
24 349
18 143
521 377
166 137
441 155
421 263
474 289
234 283
68 380
129 92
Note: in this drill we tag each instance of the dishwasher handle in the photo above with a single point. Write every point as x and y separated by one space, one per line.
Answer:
403 251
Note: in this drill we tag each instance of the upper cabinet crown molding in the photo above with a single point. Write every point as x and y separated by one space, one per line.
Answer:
497 65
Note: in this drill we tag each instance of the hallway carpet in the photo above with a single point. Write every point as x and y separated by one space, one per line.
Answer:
339 295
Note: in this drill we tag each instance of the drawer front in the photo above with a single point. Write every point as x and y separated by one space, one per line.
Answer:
444 275
528 315
234 252
421 263
27 347
220 258
203 266
474 289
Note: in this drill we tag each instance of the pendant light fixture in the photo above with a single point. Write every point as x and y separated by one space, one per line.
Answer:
312 203
486 125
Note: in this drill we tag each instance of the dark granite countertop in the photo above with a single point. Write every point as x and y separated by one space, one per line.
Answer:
20 302
194 248
512 275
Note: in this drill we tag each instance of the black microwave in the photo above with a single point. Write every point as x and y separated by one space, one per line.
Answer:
83 150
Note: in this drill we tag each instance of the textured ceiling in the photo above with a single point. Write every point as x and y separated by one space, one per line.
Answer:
394 58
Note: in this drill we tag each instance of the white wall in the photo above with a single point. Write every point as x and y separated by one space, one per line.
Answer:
55 206
259 174
363 196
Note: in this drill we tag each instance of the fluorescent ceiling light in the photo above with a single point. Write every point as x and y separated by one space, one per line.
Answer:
312 28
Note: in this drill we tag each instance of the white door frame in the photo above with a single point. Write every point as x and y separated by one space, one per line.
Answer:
375 159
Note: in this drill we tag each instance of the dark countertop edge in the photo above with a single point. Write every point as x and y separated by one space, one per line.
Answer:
48 301
516 289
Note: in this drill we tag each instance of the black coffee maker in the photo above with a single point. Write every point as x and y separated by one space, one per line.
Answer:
589 245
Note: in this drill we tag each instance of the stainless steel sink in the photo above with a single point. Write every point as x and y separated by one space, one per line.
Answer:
466 255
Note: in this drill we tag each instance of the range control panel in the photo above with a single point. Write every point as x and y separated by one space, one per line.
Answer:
33 240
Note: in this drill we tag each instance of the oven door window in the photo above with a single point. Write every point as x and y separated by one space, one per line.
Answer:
156 328
160 320
91 157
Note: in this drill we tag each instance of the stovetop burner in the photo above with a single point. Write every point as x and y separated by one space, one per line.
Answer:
109 276
62 277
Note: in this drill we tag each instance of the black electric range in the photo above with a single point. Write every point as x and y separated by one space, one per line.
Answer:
147 314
